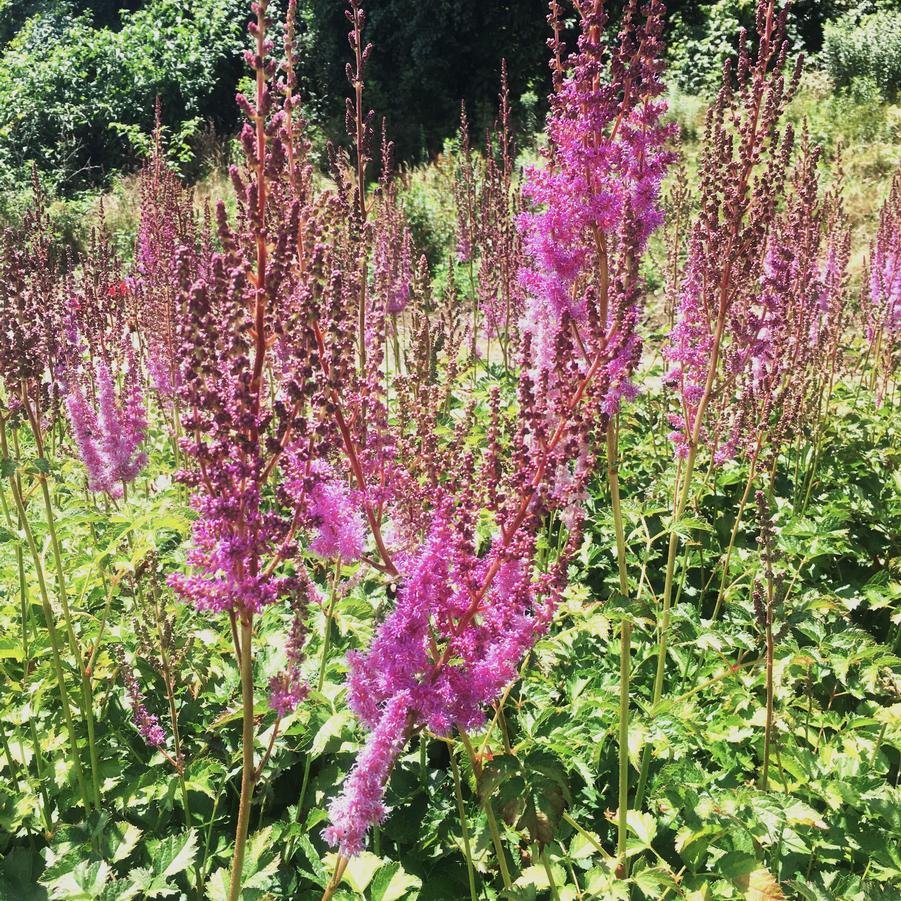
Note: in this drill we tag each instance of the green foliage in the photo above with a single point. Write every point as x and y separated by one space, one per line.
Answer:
70 93
703 37
824 830
854 115
868 47
428 58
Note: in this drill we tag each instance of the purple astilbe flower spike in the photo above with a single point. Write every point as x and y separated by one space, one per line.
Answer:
109 439
147 723
85 431
362 803
600 188
340 531
717 336
882 298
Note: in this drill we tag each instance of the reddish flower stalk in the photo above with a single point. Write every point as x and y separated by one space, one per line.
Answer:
167 231
882 297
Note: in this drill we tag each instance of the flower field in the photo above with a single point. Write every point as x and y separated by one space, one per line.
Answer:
559 560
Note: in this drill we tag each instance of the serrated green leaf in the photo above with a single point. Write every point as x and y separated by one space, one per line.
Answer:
643 826
361 870
175 853
392 883
333 727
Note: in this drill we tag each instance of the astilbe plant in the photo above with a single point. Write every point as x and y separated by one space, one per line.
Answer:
595 204
167 230
882 294
281 380
33 301
745 158
782 337
99 371
500 242
470 605
487 194
108 438
746 154
784 341
32 309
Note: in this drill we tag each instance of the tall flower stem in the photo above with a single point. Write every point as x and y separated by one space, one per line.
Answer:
616 506
54 640
464 826
337 876
320 681
87 695
23 593
248 734
625 663
169 679
743 503
683 494
545 860
489 813
770 681
770 702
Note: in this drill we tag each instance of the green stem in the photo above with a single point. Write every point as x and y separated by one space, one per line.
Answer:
878 745
770 694
489 813
625 663
39 767
209 836
663 625
54 641
616 506
247 768
320 681
176 735
732 538
86 703
550 874
587 836
461 811
625 642
13 765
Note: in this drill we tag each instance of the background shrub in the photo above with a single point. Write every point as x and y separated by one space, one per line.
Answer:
69 91
867 46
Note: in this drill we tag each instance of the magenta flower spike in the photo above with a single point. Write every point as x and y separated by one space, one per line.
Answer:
109 438
882 301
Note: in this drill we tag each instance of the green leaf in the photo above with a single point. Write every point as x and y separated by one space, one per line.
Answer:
495 773
333 727
217 885
10 649
41 465
174 854
150 885
119 840
361 870
320 874
643 826
393 883
83 882
652 882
